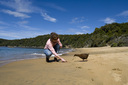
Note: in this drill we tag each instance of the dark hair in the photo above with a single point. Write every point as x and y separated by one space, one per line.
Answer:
54 36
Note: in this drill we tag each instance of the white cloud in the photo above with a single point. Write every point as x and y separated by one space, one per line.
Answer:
16 14
8 34
77 20
22 7
22 31
19 5
23 25
52 5
26 5
84 27
2 27
109 20
22 22
76 31
79 33
19 34
124 13
3 23
71 30
28 27
47 17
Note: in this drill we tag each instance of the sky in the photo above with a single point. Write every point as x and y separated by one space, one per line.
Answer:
31 18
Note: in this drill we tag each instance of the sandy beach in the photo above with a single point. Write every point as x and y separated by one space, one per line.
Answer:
104 66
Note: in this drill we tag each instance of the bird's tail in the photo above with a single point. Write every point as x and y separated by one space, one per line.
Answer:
73 57
76 54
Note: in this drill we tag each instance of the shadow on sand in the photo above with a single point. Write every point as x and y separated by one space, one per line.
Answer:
81 61
50 61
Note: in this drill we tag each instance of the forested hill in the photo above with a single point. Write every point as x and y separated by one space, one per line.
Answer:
114 34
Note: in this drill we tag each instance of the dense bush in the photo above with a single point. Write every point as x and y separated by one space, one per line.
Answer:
114 34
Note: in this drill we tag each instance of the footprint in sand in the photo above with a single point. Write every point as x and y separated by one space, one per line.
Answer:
116 73
90 70
125 84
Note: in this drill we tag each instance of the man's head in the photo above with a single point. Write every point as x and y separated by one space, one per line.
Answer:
54 36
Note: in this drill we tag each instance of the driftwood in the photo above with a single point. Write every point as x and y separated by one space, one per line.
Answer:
83 55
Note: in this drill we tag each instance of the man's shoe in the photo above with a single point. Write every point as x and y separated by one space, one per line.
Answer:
55 59
47 59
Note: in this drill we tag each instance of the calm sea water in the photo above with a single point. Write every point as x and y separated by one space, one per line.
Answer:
8 55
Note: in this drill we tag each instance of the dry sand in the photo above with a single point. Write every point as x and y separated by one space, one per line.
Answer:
105 66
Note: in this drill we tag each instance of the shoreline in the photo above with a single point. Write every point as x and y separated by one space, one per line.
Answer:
33 47
104 66
24 55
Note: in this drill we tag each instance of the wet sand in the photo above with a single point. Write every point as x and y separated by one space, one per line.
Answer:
104 66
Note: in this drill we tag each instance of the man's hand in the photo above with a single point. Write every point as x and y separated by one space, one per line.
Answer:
63 60
60 46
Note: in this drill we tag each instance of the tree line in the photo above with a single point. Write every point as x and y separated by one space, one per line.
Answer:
115 34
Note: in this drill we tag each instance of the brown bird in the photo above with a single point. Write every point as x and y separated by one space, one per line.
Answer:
82 56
